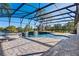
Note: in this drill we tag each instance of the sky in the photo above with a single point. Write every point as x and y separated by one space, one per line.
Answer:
4 20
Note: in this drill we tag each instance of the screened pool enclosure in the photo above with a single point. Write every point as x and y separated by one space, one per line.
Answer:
39 29
38 14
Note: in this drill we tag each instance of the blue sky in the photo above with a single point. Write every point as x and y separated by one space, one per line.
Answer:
4 21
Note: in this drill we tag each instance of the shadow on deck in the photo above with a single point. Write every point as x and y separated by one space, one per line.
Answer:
30 54
1 50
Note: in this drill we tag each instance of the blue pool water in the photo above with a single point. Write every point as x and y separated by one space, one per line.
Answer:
2 33
42 35
48 35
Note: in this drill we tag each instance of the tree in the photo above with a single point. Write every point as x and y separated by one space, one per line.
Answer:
11 29
28 28
70 26
48 27
20 29
1 28
57 27
64 28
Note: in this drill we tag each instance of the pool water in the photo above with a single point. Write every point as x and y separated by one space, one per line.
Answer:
47 35
2 33
41 35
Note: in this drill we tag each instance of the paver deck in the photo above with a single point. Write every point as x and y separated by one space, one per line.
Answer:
69 47
23 46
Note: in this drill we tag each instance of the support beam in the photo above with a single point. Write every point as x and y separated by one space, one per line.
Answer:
57 19
20 22
9 21
29 21
38 10
54 11
70 10
71 16
9 17
15 12
17 9
77 19
30 5
56 15
7 13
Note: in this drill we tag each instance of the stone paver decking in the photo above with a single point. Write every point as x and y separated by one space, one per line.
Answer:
69 47
26 47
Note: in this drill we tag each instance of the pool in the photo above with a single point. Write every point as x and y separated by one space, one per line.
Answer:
2 34
46 35
41 35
